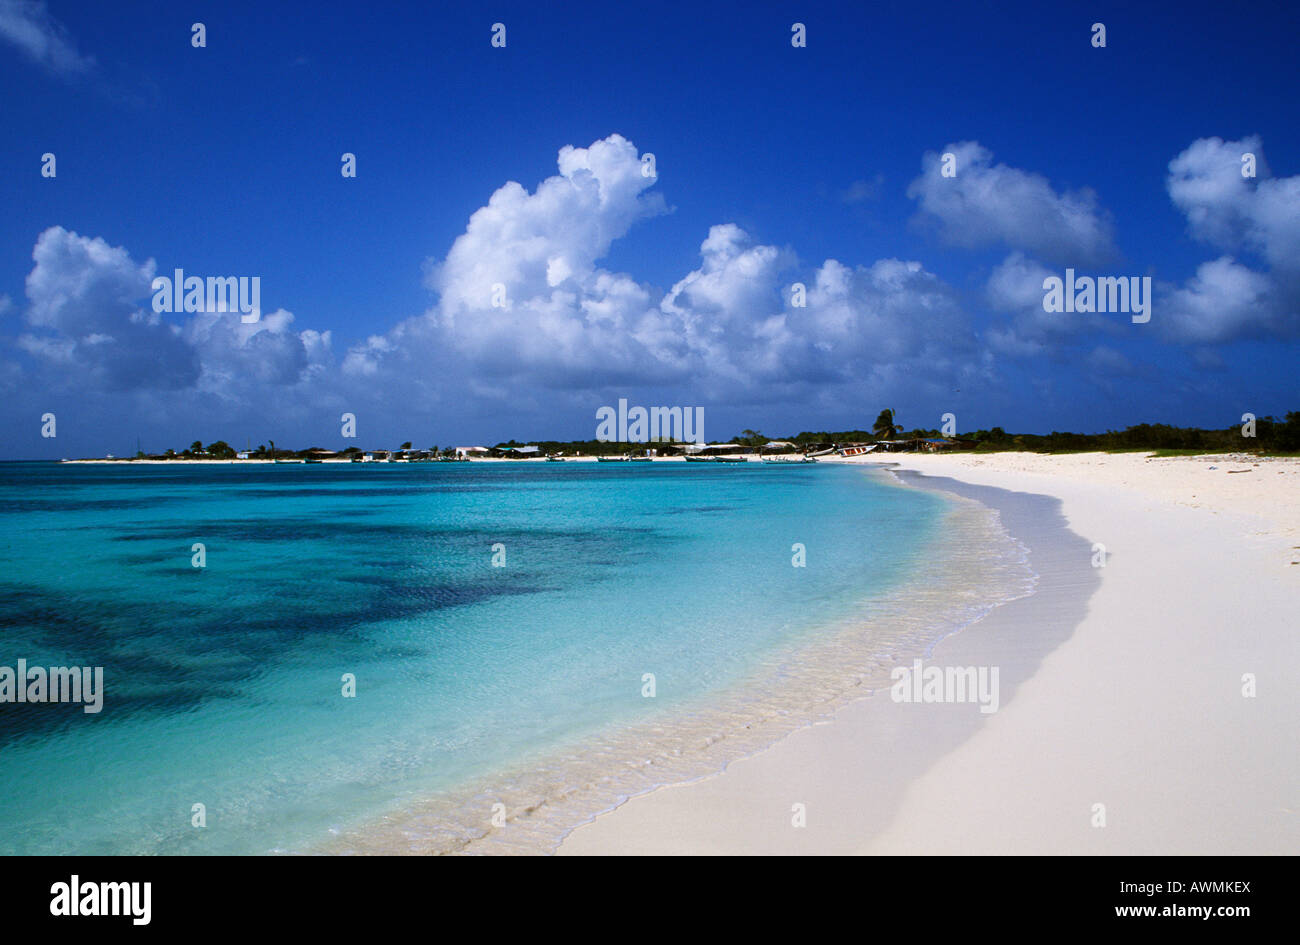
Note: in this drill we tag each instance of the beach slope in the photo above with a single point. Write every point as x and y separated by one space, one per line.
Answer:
1149 705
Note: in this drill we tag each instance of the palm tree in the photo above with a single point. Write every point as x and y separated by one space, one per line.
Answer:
885 427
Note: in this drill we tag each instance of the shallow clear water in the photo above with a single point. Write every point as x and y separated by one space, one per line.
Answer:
223 684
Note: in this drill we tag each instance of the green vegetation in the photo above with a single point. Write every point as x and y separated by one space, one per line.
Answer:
885 428
1272 435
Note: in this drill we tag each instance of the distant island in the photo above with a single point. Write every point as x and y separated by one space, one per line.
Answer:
1266 434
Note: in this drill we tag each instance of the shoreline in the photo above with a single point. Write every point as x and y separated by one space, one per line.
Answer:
1243 461
1137 706
850 772
795 686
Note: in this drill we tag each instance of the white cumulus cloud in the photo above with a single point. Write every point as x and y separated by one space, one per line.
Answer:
90 318
1228 299
987 204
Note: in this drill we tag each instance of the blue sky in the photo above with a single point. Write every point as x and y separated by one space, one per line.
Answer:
775 165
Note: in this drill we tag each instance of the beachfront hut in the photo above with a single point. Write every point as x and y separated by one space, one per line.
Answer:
719 449
470 452
516 452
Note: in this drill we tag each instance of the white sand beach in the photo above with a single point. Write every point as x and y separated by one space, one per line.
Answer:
1123 687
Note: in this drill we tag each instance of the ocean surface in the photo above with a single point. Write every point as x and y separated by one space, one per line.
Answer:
500 621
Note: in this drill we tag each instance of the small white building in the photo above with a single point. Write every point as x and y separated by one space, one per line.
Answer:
467 452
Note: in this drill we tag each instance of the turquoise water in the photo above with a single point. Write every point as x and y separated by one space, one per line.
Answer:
223 684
